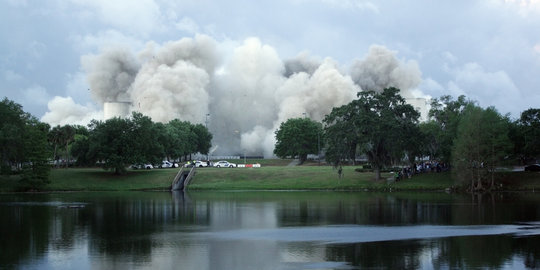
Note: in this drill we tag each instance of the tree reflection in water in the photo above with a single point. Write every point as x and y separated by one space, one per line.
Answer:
162 229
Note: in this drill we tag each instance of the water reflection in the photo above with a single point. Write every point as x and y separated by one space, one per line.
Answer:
268 230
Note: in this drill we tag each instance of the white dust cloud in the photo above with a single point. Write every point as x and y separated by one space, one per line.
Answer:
381 69
174 82
64 111
110 74
246 101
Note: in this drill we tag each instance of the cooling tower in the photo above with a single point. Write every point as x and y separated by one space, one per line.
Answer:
116 109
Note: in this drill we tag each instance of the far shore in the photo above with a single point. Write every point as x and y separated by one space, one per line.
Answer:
272 177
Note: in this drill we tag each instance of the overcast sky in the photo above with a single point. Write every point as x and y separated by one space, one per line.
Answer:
486 50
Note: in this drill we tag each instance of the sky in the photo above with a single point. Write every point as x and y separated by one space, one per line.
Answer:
51 51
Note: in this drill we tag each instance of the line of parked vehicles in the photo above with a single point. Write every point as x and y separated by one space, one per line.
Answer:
217 164
195 163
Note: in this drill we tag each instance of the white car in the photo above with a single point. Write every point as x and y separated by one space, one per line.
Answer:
142 166
225 164
200 164
167 164
196 163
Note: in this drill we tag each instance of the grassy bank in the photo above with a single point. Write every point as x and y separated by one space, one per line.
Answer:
265 178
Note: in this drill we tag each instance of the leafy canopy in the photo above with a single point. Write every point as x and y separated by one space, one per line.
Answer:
382 125
298 137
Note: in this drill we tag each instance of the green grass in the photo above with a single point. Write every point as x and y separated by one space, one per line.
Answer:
309 178
269 177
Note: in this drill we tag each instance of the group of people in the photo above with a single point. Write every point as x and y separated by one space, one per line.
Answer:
426 166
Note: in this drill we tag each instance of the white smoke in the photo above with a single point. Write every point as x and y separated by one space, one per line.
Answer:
173 83
243 95
253 92
303 62
110 74
64 111
381 69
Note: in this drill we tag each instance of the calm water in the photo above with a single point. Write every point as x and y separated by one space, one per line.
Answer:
269 230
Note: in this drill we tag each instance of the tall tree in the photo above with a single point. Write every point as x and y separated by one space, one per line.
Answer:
481 144
447 113
67 136
340 135
382 124
55 139
529 126
297 137
145 145
35 167
204 138
13 120
111 142
177 138
431 139
23 145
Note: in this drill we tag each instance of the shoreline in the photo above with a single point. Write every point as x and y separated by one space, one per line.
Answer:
269 178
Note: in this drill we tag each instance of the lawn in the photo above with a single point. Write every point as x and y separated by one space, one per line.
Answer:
310 177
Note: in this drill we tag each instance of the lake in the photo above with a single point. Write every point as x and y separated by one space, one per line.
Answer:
269 230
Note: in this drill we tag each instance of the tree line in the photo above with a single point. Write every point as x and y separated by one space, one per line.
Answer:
118 142
385 129
23 145
30 147
379 125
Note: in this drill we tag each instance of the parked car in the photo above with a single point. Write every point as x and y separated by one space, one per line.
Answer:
200 164
532 168
167 164
142 166
226 164
197 163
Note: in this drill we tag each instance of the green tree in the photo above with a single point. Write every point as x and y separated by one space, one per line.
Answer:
382 123
55 139
120 142
340 136
297 137
176 138
145 145
13 122
204 138
529 130
447 113
431 143
23 142
481 144
80 150
111 143
67 136
35 173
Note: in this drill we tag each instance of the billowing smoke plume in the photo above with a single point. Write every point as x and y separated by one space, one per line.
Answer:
174 83
381 69
244 96
252 93
302 95
110 74
303 62
64 111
